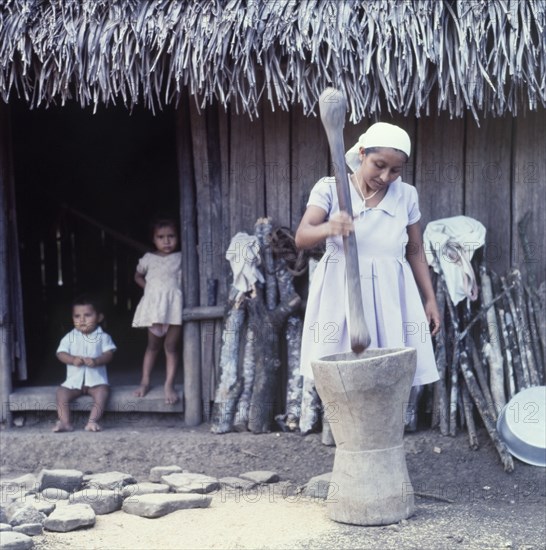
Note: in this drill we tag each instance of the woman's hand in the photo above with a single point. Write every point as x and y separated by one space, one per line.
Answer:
433 316
341 224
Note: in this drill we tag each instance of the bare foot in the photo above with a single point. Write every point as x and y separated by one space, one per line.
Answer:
92 426
171 396
142 390
62 427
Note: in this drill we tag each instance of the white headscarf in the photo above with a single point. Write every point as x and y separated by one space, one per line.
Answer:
380 134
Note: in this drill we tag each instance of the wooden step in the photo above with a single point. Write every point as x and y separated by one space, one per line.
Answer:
122 400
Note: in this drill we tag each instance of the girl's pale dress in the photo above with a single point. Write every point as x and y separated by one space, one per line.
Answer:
162 300
392 304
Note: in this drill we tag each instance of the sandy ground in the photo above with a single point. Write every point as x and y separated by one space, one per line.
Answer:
467 500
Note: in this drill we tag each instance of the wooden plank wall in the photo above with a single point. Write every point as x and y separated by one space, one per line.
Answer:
494 173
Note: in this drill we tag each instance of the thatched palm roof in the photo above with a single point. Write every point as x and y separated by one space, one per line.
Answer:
482 55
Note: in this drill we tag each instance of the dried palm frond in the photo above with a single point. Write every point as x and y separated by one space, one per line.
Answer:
486 56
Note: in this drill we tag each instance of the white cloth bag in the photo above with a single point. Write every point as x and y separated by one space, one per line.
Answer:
452 242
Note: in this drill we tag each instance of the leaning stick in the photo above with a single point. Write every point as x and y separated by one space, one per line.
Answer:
453 366
508 367
469 416
333 107
524 331
476 394
535 339
440 414
520 378
518 331
492 348
230 385
482 379
263 231
240 423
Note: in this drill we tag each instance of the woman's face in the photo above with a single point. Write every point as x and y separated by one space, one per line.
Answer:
381 167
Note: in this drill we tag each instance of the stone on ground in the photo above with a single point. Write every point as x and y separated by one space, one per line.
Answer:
103 501
68 518
26 514
317 487
69 480
109 480
30 529
5 527
9 540
261 476
53 494
158 471
43 506
237 483
155 506
191 483
18 486
145 488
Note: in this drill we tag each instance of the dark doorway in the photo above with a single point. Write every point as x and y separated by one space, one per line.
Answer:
86 185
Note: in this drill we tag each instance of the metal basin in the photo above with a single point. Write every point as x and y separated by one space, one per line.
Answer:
522 425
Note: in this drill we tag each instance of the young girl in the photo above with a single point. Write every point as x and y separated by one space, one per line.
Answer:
393 268
159 273
85 350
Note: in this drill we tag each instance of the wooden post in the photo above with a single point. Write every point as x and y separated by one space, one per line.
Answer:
190 268
6 319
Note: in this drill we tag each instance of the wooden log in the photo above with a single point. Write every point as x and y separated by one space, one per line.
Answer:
266 326
230 384
523 328
491 348
289 421
263 231
540 310
190 268
519 375
477 364
481 405
535 338
440 407
453 366
469 418
454 378
310 407
411 416
249 370
294 383
519 329
507 352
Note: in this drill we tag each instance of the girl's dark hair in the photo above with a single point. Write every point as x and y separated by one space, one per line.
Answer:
158 223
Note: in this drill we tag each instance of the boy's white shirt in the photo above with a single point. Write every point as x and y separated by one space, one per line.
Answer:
92 345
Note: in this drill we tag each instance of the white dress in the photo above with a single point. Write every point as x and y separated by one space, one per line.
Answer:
392 304
162 299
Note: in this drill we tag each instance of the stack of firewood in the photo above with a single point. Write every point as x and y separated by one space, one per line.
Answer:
262 329
487 352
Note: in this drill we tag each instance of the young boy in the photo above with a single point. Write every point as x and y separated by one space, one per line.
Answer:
85 350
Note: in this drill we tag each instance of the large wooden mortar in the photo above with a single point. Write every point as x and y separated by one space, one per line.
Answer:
365 398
